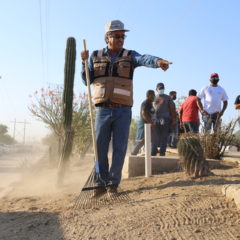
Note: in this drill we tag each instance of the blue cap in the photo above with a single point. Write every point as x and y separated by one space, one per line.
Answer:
160 85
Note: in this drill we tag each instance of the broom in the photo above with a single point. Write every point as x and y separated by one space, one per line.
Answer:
86 197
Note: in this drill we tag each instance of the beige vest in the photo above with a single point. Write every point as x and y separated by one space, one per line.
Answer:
113 81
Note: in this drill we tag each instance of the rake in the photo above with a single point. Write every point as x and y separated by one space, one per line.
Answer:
86 198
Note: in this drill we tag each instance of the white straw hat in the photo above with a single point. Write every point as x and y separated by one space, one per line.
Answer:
115 25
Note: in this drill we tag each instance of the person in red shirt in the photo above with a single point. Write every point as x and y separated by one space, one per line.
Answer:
189 119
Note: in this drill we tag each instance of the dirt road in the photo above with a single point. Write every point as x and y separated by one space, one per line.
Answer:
166 206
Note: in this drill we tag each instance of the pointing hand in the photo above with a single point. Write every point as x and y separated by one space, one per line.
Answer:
163 64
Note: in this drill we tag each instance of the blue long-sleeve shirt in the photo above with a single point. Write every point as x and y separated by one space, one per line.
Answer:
137 61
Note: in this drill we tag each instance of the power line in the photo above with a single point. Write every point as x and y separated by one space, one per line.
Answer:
41 35
47 34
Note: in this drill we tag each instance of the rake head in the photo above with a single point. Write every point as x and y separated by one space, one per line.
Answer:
87 199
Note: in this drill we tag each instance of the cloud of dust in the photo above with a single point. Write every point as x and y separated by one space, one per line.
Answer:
39 179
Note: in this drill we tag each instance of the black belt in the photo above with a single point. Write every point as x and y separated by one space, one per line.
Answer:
111 105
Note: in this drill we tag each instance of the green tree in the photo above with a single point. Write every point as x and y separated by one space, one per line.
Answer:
47 106
3 129
82 127
4 137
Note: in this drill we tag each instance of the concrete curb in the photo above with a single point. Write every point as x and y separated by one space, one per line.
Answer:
135 165
232 192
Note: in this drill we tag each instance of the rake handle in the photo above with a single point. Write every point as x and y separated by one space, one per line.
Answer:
91 109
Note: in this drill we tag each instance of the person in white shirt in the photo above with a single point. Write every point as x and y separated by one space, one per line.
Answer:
212 95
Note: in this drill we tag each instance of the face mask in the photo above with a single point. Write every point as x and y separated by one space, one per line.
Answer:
214 81
161 91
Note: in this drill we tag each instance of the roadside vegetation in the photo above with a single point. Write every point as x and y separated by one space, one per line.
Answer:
46 105
5 138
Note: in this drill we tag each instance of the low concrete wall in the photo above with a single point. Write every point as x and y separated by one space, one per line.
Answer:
135 165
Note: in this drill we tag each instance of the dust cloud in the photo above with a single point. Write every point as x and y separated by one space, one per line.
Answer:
32 174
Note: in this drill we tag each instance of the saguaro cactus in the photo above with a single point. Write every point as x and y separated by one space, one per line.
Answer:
192 157
69 71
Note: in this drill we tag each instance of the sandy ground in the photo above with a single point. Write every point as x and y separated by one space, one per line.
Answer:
167 206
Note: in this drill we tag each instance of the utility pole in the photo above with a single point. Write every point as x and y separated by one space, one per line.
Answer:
14 128
24 129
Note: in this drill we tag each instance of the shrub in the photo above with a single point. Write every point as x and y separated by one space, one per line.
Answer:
214 144
133 131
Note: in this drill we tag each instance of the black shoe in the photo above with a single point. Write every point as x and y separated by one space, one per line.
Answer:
113 188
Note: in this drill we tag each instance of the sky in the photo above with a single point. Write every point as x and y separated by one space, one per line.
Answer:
200 37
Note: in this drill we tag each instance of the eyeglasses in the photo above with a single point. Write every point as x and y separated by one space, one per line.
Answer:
214 78
118 36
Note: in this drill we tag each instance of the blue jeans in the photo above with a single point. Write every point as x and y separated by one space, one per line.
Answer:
139 137
211 120
191 127
173 137
160 136
112 123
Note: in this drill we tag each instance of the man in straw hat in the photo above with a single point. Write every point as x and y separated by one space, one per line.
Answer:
111 72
